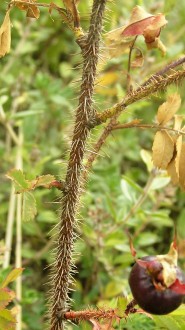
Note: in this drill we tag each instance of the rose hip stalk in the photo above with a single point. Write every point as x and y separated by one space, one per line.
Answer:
157 283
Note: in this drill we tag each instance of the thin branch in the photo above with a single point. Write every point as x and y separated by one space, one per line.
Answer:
129 65
154 126
105 314
9 228
7 125
164 70
116 110
68 17
156 85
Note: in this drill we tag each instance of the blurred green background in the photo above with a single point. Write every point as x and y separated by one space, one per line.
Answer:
39 86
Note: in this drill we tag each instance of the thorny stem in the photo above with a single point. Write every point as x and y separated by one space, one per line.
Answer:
113 121
157 84
84 113
105 314
168 67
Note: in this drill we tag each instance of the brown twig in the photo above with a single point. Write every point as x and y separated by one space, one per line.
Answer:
164 70
129 87
105 314
156 85
154 126
117 109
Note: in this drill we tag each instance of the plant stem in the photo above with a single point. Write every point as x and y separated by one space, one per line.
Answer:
84 113
129 66
18 260
163 71
9 228
154 126
158 84
8 126
113 121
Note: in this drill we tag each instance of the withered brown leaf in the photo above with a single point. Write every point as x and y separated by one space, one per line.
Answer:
5 35
163 148
167 110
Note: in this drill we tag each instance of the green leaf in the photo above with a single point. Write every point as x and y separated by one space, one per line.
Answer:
11 277
168 322
147 159
5 297
179 312
29 209
180 224
147 238
43 180
113 288
129 189
7 320
159 182
121 305
18 178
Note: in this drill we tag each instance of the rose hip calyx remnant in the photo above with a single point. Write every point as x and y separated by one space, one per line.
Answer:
157 283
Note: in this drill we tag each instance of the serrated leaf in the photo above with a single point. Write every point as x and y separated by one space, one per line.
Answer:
7 320
5 297
11 277
42 181
168 109
29 209
5 35
18 178
163 147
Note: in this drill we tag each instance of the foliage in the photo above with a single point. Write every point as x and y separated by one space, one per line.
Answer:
8 316
38 95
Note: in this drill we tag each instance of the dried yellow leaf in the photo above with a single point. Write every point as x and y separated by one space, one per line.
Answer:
30 6
5 35
163 148
172 172
180 161
178 121
69 4
178 148
116 44
182 167
167 110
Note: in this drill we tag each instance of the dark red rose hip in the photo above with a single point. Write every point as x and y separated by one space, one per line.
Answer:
157 284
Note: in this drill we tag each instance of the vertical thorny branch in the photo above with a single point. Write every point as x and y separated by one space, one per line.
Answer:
84 114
